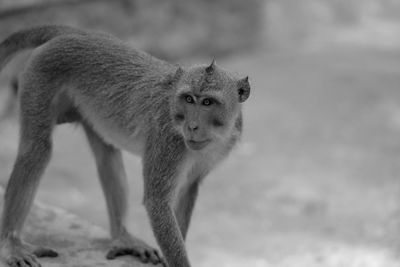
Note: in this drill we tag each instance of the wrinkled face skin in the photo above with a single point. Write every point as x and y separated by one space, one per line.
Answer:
206 106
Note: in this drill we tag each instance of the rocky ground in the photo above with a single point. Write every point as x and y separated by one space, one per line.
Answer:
78 242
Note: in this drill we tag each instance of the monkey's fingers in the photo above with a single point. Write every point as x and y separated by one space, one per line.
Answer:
163 262
152 256
45 252
118 251
23 261
145 255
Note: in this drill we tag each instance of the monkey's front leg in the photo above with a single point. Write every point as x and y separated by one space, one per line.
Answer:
167 232
162 161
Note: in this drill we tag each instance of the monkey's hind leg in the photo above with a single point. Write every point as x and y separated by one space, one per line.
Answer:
33 155
113 180
184 207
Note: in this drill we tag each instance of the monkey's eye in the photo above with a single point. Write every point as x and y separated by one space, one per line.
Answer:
207 102
189 99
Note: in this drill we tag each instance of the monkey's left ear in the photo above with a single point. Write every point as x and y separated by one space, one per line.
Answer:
178 73
172 79
243 89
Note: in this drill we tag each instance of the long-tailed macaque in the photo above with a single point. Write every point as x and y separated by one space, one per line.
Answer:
181 121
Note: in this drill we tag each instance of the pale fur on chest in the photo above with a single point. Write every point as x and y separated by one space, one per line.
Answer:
195 167
132 142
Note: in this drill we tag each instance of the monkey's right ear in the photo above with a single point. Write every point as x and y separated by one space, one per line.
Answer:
243 89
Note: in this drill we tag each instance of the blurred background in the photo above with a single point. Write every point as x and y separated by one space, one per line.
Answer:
316 178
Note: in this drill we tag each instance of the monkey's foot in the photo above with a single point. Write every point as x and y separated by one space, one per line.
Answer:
127 244
15 253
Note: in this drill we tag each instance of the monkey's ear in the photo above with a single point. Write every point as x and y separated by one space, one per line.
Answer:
243 89
178 74
210 69
172 79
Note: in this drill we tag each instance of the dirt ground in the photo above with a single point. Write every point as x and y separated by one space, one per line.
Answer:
315 181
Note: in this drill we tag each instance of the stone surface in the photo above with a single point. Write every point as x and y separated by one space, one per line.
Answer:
79 243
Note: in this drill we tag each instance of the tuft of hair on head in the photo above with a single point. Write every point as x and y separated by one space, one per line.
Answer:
210 69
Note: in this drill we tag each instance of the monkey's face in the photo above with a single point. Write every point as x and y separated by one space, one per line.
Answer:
200 118
207 105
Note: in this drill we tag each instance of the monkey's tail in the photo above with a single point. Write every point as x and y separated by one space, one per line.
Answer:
31 38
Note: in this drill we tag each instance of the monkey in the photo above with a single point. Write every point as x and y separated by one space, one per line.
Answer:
181 121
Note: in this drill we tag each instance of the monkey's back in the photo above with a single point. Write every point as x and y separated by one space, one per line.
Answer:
99 74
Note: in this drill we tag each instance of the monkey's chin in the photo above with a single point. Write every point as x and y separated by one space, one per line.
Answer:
197 145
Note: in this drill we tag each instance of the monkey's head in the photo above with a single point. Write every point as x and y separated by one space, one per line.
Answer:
206 104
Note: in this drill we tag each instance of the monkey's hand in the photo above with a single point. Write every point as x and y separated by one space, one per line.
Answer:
126 244
16 253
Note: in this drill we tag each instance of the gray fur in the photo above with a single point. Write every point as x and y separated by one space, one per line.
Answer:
125 99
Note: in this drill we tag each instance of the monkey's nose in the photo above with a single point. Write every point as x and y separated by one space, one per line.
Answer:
193 127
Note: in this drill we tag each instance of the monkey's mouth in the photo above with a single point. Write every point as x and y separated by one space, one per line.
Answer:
197 145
